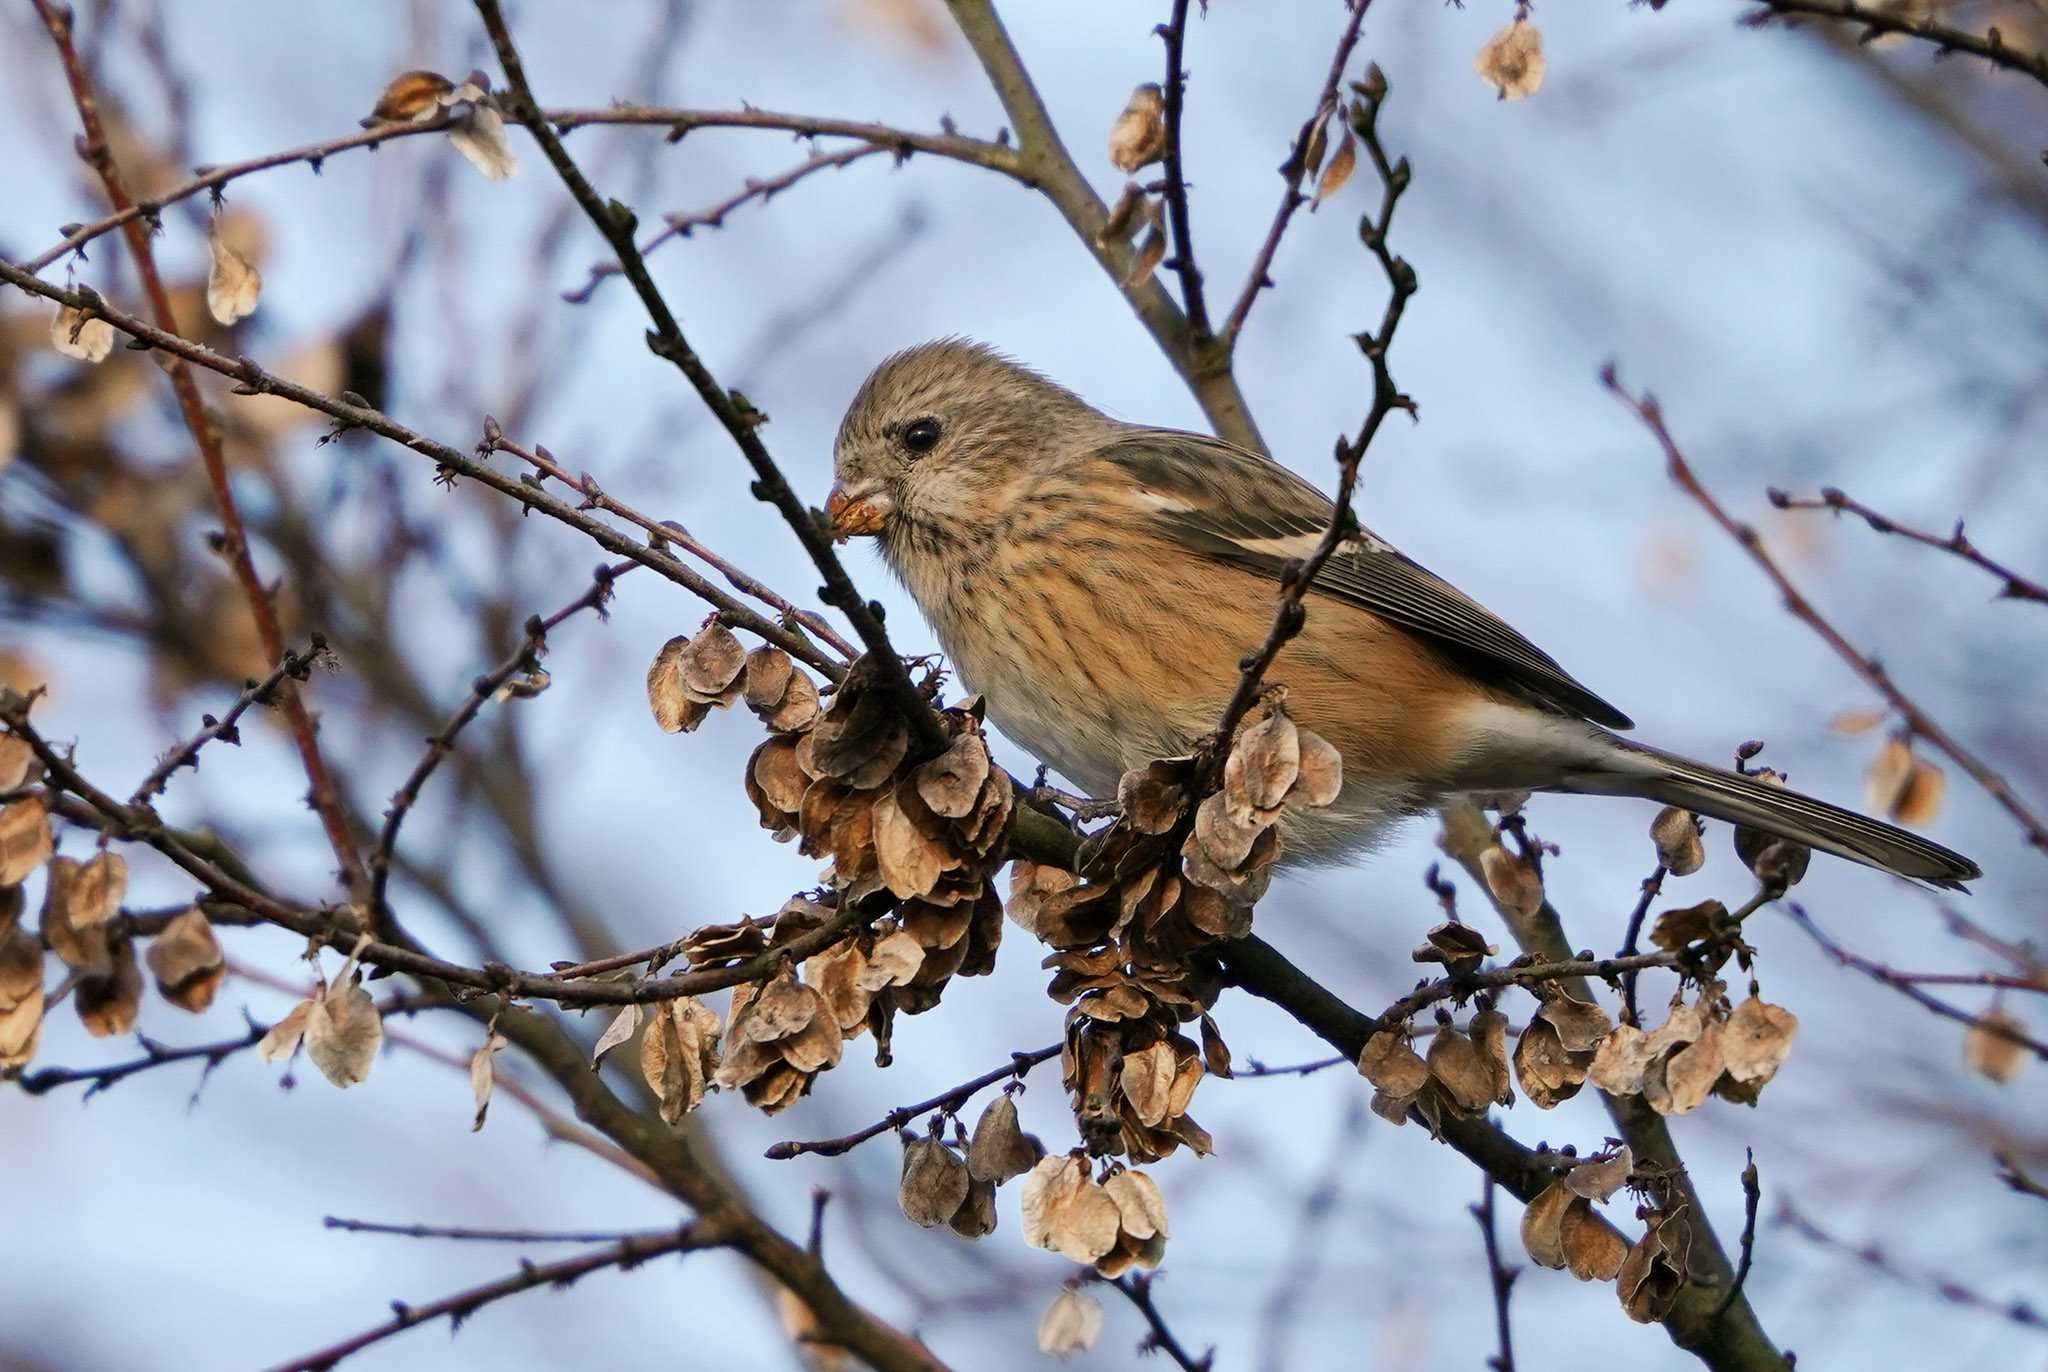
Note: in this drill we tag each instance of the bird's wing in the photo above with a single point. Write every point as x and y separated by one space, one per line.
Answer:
1238 507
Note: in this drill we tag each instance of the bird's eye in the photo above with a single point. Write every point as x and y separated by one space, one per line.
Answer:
921 435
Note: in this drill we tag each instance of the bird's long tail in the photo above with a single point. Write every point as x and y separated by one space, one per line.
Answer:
1660 776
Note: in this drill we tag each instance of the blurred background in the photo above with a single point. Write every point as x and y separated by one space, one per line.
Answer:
1829 261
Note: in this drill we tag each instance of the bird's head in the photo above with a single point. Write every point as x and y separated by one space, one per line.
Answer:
938 438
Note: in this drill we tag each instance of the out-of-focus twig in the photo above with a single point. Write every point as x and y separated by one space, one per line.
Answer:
1292 198
1878 21
2014 587
1906 984
1869 668
98 153
1137 1288
1940 1286
1500 1279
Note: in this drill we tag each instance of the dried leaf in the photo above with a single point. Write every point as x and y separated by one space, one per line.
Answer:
16 757
1992 1053
1138 137
343 1033
673 708
623 1026
480 137
1514 881
482 1076
1756 1039
187 962
282 1039
412 95
1593 1251
1000 1149
1321 777
1548 1073
908 858
1581 1026
1456 1065
1543 1225
1339 171
1071 1324
934 1183
1490 1037
768 674
1676 833
1151 252
1264 763
21 996
1689 1074
1921 800
233 285
951 783
109 1002
976 1217
1066 1212
710 665
25 842
1888 775
80 335
1512 61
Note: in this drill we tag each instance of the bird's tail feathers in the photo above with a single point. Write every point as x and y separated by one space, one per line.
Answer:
1737 799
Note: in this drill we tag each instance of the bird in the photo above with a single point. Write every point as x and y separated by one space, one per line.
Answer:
1099 583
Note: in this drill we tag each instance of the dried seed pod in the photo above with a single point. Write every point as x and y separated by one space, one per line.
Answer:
1138 137
1066 1212
1776 862
1000 1149
1513 880
25 842
109 1001
678 1054
1512 61
1676 833
1071 1324
1459 947
233 285
412 95
934 1184
187 962
21 996
1548 1072
1992 1048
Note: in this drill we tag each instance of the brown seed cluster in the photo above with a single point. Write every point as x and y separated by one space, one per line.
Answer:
918 839
1116 1223
1707 1048
1174 873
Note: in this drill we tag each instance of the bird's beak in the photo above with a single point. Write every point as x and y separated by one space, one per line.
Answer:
858 510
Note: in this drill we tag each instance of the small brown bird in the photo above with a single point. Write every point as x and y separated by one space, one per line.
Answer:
1098 582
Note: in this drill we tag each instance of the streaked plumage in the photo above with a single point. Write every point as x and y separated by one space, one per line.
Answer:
1098 582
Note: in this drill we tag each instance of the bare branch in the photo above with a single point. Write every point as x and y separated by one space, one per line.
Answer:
1291 170
2015 587
1873 672
1174 89
1137 1287
1500 1278
950 1101
1878 21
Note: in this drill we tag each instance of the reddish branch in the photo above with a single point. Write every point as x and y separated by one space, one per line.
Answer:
1908 984
1292 197
2015 586
326 799
264 692
1917 720
254 380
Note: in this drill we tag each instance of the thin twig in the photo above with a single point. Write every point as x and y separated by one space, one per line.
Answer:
949 1101
186 752
1877 22
1289 614
627 1253
666 341
1174 89
1291 171
1653 885
470 1235
1939 1285
2013 587
1259 1069
594 497
1137 1286
1500 1278
2018 1178
763 189
1917 720
326 799
1752 1196
348 415
1904 984
98 1079
525 659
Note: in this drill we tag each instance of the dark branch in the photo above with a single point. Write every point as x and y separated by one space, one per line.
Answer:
2013 587
950 1101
